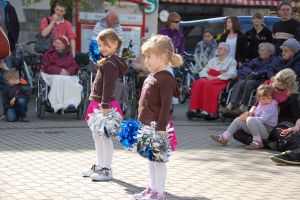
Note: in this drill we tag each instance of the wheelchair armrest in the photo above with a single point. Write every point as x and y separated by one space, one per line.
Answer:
230 84
82 58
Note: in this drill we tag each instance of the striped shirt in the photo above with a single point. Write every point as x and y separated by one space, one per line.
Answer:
101 25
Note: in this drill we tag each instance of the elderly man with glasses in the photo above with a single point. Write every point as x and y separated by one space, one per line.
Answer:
111 20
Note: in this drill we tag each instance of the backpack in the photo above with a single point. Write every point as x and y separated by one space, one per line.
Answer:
4 50
43 44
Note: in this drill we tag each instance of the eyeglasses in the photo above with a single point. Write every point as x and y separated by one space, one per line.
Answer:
176 22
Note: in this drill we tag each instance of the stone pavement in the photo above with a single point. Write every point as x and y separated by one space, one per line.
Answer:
43 160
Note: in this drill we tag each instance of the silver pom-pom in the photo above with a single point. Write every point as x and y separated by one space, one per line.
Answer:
107 125
152 145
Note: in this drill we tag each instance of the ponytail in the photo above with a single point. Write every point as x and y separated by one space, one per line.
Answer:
177 60
101 61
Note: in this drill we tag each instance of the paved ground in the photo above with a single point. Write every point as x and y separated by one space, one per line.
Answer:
43 159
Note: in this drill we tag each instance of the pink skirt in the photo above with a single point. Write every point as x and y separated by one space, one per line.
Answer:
95 105
172 135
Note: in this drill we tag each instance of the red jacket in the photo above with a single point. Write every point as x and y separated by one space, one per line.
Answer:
53 63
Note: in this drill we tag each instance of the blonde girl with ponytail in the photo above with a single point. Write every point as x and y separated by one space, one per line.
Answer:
155 104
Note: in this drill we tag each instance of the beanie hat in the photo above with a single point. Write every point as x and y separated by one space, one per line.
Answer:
63 39
293 44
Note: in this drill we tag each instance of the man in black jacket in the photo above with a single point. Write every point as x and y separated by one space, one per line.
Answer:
285 29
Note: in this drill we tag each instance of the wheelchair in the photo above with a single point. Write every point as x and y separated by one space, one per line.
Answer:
222 101
225 98
84 74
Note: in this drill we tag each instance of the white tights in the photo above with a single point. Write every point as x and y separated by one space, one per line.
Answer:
104 150
158 175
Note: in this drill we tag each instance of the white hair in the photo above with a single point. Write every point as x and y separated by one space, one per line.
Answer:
225 45
266 45
111 11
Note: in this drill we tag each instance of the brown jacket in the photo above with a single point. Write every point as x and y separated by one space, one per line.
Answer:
104 83
156 99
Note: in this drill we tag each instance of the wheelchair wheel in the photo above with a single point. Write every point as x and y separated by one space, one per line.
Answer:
130 106
43 110
40 108
79 112
184 88
37 106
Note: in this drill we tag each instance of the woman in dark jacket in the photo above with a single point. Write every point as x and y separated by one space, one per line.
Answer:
235 39
256 35
251 75
285 137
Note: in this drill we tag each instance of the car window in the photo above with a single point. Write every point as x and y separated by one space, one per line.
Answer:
193 32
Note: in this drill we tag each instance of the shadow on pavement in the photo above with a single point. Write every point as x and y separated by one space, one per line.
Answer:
132 189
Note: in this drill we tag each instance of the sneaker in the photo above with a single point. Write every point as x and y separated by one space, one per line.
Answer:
155 196
285 158
89 172
4 66
255 145
225 111
190 114
219 139
211 117
140 195
71 107
102 174
24 119
2 118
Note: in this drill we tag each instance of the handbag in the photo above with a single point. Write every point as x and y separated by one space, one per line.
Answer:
213 72
43 43
4 50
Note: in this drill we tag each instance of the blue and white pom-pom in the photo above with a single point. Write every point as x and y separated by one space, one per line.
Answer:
129 133
107 125
153 146
94 52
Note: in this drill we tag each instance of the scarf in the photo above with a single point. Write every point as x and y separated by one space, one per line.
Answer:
204 52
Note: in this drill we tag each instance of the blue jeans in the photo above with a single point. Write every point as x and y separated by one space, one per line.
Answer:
18 111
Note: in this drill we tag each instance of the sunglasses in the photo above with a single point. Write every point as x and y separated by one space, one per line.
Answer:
176 22
280 89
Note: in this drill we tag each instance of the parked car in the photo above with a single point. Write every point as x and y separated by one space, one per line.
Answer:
193 30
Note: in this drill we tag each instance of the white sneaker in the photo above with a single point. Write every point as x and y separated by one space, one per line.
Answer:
102 174
89 172
175 101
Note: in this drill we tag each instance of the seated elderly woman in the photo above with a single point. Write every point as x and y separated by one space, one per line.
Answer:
213 79
291 55
251 75
60 74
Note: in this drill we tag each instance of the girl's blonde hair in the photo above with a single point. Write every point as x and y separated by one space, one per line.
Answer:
264 90
287 79
108 35
11 74
162 45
